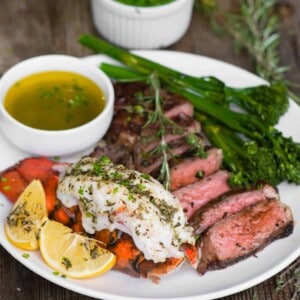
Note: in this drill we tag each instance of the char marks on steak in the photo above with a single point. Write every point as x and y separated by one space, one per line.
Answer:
229 203
242 234
193 196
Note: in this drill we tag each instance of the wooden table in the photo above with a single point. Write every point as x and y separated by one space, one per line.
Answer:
34 27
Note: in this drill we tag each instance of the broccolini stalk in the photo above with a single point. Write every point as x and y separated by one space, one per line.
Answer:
267 102
248 162
266 150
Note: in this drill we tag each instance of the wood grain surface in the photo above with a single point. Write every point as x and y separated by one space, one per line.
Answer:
34 27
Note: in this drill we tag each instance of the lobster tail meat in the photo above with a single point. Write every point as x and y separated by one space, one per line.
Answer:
113 197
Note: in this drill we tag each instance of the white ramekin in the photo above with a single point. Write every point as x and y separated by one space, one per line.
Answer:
55 142
142 27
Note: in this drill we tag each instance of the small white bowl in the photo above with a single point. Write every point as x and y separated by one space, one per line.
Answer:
55 142
142 27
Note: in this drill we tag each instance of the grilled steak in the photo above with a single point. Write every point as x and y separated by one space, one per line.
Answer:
199 193
243 234
229 204
131 113
186 171
118 154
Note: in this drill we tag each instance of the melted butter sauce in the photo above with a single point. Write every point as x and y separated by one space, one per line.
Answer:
54 100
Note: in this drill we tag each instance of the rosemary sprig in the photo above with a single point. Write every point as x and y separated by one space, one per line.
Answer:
290 276
158 117
255 27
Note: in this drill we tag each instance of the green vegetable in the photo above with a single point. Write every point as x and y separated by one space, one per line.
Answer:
267 102
144 3
253 149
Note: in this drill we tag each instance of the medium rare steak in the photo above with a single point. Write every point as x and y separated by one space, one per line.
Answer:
199 193
229 203
243 234
186 171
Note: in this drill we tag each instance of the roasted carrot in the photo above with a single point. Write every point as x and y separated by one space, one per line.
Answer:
50 186
77 225
12 184
60 215
105 236
35 168
125 250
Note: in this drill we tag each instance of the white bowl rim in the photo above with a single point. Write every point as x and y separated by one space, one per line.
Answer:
105 79
152 11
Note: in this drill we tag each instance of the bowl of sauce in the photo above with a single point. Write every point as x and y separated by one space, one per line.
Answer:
55 105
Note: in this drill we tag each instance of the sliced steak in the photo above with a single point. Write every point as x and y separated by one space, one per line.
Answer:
229 204
243 234
131 113
197 194
186 172
151 164
118 154
146 147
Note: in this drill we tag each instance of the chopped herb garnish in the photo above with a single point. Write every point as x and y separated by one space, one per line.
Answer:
7 187
55 273
66 262
94 252
196 144
104 160
88 214
115 190
141 187
3 179
199 174
26 255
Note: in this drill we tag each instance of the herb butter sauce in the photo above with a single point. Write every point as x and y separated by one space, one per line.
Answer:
54 100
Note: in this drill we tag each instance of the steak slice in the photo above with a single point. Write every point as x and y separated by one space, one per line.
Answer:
118 154
242 234
229 204
197 194
186 171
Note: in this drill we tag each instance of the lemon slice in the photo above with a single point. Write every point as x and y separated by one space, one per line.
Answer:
72 254
23 224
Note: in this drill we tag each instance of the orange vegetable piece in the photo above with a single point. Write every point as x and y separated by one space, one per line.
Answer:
50 186
35 168
12 184
60 215
77 226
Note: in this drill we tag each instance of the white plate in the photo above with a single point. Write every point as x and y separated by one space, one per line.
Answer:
185 283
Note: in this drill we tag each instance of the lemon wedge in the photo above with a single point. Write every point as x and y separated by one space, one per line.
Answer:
72 254
23 224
